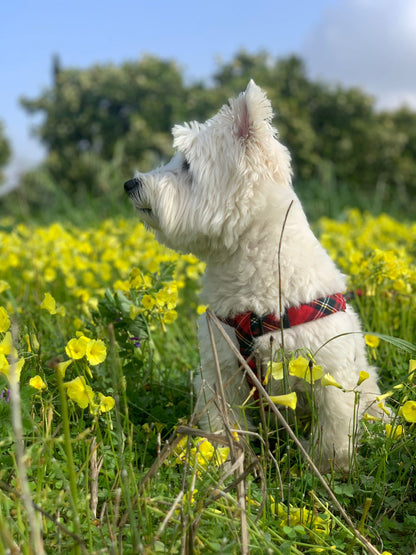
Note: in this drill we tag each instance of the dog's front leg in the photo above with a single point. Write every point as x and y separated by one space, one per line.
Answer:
207 387
335 433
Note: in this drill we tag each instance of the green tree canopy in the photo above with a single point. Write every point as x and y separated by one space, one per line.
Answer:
5 151
105 122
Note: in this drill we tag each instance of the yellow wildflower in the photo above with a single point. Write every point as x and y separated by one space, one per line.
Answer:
49 304
96 351
383 408
62 366
148 302
372 341
37 383
394 431
5 367
384 396
362 377
6 345
162 298
408 411
300 516
121 285
288 400
370 417
327 379
275 369
203 454
77 347
106 402
170 316
301 369
4 320
80 392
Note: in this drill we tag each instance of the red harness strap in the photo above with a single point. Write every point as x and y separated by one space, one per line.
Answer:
248 326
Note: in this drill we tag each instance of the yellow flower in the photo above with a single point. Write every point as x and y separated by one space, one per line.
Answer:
148 302
5 367
288 400
394 431
162 297
62 366
77 347
275 369
49 304
202 454
121 285
408 411
207 452
170 316
301 369
370 417
6 345
96 351
382 407
362 377
37 383
80 392
327 379
106 403
372 341
302 516
4 320
384 396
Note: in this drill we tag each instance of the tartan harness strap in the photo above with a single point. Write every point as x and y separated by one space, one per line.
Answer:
248 326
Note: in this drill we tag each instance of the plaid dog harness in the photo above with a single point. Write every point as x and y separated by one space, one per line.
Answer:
248 326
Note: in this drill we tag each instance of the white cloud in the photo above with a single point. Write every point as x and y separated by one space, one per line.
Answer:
367 43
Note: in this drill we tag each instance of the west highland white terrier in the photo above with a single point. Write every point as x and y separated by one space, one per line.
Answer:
227 197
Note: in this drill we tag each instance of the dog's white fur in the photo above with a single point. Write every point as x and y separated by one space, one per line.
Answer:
224 197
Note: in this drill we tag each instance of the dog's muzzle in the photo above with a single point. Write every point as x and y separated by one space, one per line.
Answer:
132 184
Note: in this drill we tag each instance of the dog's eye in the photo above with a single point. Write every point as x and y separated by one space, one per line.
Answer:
185 165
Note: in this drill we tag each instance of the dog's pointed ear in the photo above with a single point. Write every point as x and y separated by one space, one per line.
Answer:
252 112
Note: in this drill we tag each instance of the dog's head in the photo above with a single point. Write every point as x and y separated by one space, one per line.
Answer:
226 173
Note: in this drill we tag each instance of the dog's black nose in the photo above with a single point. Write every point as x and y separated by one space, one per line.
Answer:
132 184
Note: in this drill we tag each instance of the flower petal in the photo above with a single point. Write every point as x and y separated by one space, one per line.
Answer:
288 400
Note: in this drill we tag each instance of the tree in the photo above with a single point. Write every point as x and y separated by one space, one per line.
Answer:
5 151
101 124
108 113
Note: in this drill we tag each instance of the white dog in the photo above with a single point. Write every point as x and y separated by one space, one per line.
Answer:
227 197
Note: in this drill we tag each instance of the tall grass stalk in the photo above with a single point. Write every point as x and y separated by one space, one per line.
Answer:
69 458
32 517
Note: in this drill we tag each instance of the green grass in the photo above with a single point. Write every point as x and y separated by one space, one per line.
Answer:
139 478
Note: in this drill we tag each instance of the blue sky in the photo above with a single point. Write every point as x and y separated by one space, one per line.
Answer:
369 43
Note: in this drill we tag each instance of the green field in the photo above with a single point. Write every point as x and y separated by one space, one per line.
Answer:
97 350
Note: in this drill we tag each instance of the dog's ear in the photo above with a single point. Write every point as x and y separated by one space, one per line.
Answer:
252 112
